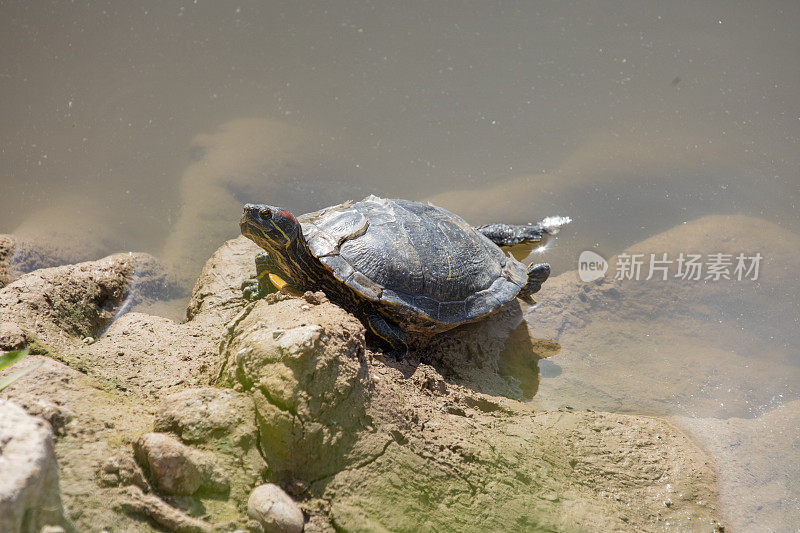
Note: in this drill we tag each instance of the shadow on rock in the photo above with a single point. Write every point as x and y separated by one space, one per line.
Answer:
496 356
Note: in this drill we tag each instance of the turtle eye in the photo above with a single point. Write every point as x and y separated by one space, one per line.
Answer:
266 214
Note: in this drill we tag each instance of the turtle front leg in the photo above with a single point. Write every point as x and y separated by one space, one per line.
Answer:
262 285
389 334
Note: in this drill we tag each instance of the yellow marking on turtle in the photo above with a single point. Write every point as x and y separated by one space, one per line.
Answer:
288 240
449 266
277 281
262 274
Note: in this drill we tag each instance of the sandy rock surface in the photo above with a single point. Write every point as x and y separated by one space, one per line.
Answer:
29 493
285 391
12 337
6 249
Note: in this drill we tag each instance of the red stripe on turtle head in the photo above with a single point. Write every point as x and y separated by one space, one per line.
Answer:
286 214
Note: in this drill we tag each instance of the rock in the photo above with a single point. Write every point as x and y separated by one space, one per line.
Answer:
135 501
433 442
154 355
121 469
107 419
392 446
6 251
62 305
307 376
220 282
53 529
173 466
57 415
11 336
547 471
221 420
315 298
274 510
206 414
176 468
29 490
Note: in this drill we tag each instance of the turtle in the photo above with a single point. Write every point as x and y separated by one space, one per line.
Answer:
400 266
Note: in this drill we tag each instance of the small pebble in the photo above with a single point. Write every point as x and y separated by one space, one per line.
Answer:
275 510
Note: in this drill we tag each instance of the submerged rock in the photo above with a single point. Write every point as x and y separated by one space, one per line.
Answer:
716 354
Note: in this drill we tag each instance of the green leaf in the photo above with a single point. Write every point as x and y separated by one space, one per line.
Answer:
9 358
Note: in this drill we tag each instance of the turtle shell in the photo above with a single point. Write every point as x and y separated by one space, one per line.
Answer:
420 262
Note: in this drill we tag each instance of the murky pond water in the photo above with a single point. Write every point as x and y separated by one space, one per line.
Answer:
144 127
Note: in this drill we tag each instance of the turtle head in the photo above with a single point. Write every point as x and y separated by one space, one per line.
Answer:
270 227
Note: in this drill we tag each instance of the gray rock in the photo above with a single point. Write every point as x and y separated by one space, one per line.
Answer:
219 287
275 510
30 498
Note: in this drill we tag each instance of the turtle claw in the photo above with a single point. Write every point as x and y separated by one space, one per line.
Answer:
398 354
250 289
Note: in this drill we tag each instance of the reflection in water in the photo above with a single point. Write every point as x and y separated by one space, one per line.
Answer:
521 356
549 369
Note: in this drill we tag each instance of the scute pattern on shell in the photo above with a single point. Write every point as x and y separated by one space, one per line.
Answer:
419 257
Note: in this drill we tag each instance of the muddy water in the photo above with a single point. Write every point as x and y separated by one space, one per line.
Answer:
144 126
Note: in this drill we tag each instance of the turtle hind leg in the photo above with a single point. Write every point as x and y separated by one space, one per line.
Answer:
509 235
389 335
537 274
